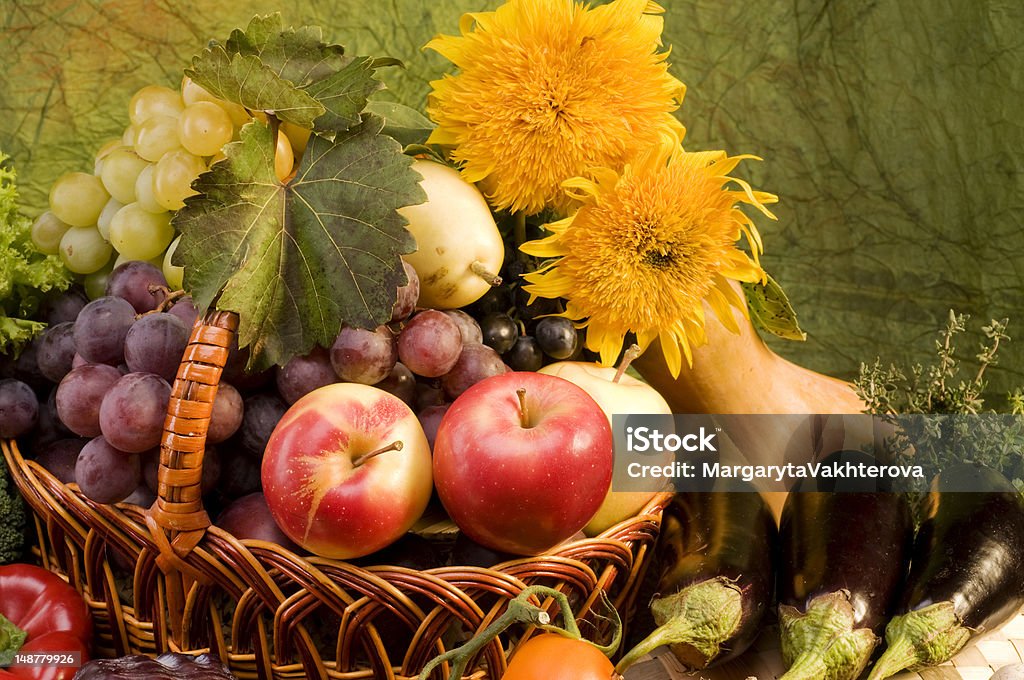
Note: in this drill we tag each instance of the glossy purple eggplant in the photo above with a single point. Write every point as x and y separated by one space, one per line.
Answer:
966 572
716 557
843 559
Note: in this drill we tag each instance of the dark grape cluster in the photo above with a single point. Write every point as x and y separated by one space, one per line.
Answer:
92 390
528 335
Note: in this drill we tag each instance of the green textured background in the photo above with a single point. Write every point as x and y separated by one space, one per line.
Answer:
891 130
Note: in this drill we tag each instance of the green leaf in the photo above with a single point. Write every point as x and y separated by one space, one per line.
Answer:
770 309
298 260
406 124
16 333
344 94
11 640
245 80
290 72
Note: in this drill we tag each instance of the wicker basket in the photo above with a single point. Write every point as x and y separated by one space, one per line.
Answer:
165 579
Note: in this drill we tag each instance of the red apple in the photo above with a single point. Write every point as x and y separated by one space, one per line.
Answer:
347 470
522 461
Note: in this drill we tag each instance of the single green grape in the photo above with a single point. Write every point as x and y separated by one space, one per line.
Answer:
144 191
154 100
97 166
121 259
204 128
173 177
96 283
109 210
174 274
140 234
83 250
192 92
156 136
121 169
77 198
47 231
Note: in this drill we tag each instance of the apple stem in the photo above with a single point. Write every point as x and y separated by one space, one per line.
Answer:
524 411
632 353
393 446
481 270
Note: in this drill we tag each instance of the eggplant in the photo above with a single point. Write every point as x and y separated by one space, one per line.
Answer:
966 571
716 562
168 666
843 560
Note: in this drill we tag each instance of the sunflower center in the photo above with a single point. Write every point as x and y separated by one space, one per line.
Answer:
658 259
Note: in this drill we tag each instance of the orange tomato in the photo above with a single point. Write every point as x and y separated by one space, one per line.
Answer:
550 656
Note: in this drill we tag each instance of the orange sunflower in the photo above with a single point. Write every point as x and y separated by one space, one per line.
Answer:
548 88
649 246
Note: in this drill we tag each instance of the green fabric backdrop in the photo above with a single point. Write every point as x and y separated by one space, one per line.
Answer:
892 132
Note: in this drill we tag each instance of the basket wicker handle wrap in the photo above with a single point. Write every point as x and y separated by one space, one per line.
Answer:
177 519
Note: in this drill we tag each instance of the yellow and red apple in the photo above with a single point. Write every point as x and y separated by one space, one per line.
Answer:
347 470
624 395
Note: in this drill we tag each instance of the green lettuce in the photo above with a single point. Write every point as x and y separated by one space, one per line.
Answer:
26 275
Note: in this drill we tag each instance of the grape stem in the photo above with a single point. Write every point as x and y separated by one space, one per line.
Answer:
484 273
632 353
524 412
393 446
170 297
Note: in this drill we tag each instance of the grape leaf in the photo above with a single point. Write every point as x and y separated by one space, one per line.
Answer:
245 80
310 82
770 309
404 123
298 260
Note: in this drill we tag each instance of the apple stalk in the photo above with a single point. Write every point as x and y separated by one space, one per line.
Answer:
632 353
393 446
524 410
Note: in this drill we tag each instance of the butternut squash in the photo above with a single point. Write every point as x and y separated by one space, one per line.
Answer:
737 373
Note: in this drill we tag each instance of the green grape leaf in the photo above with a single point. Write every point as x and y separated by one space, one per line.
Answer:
344 94
406 124
298 260
245 80
770 309
311 82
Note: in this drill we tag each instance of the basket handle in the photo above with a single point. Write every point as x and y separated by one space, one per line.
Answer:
177 519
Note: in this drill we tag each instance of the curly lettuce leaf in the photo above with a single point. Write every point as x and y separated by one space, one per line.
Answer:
25 273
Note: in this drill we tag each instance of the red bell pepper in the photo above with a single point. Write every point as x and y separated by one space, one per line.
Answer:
41 614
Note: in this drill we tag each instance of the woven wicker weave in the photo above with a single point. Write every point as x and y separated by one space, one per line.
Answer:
164 579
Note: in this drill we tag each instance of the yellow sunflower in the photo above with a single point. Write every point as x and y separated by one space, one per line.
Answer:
548 88
648 247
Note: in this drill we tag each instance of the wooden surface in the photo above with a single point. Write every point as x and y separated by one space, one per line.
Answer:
763 662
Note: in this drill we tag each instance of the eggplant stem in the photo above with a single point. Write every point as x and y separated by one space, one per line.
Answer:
659 637
822 641
698 619
807 667
924 637
899 655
